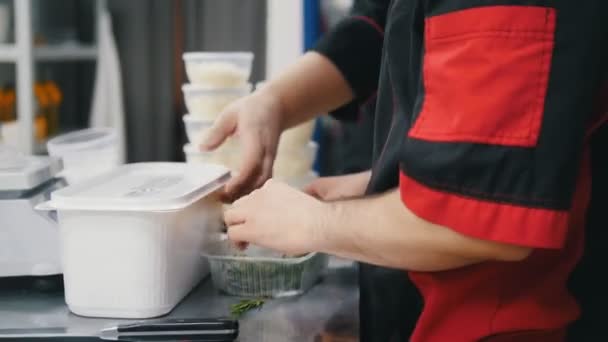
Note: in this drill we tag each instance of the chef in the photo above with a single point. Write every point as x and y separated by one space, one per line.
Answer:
474 214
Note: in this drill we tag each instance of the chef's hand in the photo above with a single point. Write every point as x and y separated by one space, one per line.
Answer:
278 217
339 187
256 121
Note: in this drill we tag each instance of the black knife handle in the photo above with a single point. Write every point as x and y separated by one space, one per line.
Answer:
198 324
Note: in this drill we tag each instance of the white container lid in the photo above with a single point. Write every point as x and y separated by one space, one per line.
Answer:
213 55
198 89
142 187
28 173
86 139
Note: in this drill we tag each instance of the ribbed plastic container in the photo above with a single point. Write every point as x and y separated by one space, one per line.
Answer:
218 69
131 239
207 103
266 277
196 128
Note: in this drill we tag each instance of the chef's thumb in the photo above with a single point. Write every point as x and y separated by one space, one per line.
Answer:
222 128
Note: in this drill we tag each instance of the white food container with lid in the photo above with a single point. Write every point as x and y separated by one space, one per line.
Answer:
131 238
196 128
227 154
218 69
207 103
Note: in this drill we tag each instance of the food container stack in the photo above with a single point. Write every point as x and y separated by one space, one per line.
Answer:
216 80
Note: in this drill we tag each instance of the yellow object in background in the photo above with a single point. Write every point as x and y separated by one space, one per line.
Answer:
48 99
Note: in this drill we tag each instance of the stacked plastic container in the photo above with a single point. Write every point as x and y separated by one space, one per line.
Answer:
216 80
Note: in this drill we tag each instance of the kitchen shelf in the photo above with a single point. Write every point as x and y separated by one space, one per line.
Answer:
8 53
25 55
65 53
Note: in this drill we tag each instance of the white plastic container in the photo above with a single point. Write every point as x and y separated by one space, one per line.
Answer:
228 154
86 153
294 162
196 128
131 238
207 103
289 164
218 69
297 136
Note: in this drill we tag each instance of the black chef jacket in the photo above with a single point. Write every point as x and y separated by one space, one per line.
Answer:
493 102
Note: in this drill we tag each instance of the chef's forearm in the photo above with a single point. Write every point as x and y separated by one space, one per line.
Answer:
309 87
381 230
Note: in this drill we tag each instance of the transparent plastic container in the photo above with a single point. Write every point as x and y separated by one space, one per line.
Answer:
266 277
207 103
218 69
196 128
131 239
86 153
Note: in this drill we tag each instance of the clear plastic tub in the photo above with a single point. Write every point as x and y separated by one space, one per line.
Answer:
218 69
86 153
196 128
266 277
207 103
131 239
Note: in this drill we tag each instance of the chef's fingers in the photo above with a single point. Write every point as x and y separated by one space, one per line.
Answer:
222 128
266 172
251 164
234 217
240 233
316 188
244 201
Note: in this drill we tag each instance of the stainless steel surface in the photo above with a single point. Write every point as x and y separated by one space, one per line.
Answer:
329 308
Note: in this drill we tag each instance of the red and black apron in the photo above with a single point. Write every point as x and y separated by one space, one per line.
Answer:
483 120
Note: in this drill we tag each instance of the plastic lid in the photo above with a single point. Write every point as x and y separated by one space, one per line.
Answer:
191 118
29 173
143 187
81 140
217 54
193 88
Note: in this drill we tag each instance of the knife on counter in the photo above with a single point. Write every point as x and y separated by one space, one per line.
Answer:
215 329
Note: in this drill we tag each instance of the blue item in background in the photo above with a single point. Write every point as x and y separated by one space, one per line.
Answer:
312 32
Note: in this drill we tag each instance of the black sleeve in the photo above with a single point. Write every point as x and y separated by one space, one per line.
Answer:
355 47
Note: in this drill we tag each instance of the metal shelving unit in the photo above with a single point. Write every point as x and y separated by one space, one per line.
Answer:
25 55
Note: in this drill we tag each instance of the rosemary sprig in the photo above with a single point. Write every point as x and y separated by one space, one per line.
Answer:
245 305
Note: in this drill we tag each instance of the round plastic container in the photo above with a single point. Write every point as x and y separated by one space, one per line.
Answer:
218 69
131 238
86 153
228 154
294 163
207 103
196 128
297 136
289 164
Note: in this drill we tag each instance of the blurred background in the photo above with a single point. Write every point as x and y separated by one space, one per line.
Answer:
67 65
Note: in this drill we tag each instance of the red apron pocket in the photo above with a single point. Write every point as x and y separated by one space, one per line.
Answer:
485 75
